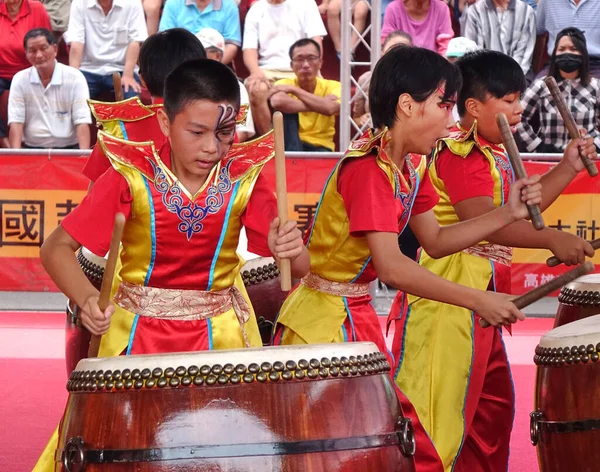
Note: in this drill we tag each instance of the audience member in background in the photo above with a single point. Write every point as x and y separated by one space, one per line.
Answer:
214 45
427 21
193 15
105 37
360 107
152 11
17 17
58 10
553 16
506 26
47 105
570 66
457 48
360 11
270 28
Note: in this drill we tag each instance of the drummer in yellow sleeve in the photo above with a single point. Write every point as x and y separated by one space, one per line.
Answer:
185 205
309 102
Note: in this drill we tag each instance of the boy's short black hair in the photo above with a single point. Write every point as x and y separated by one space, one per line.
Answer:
486 73
415 71
304 42
202 79
164 51
36 32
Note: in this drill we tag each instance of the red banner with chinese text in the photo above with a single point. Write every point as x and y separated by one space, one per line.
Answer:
36 192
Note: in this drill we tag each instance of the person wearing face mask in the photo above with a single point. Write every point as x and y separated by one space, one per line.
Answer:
570 66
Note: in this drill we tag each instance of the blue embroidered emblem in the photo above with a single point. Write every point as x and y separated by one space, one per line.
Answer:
406 197
192 214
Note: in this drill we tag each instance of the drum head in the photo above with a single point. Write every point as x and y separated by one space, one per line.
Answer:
93 258
579 333
589 283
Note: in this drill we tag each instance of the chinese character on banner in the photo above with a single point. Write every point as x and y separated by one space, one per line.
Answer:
21 223
592 229
531 280
63 209
546 278
559 226
305 216
582 229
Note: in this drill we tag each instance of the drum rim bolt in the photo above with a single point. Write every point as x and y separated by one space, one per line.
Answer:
406 436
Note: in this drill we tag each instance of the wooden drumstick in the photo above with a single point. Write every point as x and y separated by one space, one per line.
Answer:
569 121
107 278
555 261
117 85
281 189
515 159
540 292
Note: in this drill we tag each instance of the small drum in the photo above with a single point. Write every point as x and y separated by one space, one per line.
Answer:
566 423
262 282
285 408
77 338
578 300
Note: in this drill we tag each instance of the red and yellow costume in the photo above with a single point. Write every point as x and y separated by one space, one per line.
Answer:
180 289
365 192
454 372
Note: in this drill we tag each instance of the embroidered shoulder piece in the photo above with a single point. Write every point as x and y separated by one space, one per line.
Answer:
139 156
128 110
245 157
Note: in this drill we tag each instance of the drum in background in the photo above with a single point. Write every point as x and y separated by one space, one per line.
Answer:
578 300
77 338
262 282
566 423
285 408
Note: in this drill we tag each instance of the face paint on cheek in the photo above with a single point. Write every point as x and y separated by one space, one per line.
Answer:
225 124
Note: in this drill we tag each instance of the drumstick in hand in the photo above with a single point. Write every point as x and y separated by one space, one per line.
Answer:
107 278
281 189
569 121
555 261
117 85
540 292
517 164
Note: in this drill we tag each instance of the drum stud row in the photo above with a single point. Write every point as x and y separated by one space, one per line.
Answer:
92 271
557 356
206 375
260 274
570 296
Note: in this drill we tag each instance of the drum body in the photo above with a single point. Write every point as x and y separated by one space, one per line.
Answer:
263 284
566 423
578 300
289 408
77 338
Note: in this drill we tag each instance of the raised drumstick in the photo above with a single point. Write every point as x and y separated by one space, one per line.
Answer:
281 188
540 292
117 85
555 261
107 278
569 121
515 159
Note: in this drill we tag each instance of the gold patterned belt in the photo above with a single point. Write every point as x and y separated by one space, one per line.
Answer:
339 289
182 305
493 252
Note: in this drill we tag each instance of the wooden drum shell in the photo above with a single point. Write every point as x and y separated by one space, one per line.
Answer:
578 300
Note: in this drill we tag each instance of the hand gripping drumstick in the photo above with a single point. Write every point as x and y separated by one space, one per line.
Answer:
555 261
540 292
570 124
109 275
515 159
281 188
117 85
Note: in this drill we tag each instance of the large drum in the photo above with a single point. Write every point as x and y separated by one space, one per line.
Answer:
578 300
262 282
289 408
77 338
566 423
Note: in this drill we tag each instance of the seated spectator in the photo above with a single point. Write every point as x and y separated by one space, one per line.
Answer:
214 45
360 108
193 15
58 10
271 27
360 11
47 105
553 16
309 103
427 21
570 66
17 17
105 37
506 26
458 47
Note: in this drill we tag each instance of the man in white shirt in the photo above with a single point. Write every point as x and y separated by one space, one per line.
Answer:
105 37
214 45
47 105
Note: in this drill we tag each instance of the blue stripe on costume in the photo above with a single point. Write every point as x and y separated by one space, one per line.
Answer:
349 318
210 334
132 335
345 333
123 130
222 237
362 269
152 233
